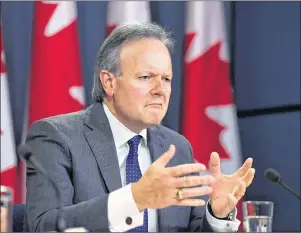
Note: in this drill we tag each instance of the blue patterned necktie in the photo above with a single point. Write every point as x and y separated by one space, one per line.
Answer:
133 174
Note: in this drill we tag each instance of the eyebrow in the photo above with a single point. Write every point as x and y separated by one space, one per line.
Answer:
152 73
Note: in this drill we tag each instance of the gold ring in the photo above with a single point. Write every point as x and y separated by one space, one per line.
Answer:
180 194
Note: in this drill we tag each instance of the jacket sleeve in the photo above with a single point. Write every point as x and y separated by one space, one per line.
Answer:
49 147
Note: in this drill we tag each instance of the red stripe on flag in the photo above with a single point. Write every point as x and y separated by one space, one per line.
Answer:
56 78
9 179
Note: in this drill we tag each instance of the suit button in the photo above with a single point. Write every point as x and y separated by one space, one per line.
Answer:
129 220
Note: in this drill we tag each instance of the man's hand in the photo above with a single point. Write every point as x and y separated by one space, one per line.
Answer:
158 187
228 189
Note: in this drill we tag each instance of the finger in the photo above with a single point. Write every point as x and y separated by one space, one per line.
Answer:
189 202
184 169
214 164
196 192
242 171
249 177
166 157
189 181
240 192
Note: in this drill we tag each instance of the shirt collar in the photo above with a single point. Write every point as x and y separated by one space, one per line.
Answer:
121 133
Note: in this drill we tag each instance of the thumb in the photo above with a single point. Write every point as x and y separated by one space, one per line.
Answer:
232 202
166 157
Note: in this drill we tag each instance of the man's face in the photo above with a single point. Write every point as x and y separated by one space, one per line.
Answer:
141 95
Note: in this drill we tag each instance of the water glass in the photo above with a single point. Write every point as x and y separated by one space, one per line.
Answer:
257 216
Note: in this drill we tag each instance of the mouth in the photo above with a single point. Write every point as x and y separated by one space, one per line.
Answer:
154 105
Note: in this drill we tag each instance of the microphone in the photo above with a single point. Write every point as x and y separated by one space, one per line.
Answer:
274 176
25 152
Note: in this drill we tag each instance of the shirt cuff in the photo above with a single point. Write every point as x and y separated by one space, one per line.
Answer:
123 213
219 225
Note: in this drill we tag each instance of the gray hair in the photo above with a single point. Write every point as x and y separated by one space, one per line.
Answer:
108 56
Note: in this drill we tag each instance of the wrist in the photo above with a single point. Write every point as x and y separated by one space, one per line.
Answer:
138 196
228 217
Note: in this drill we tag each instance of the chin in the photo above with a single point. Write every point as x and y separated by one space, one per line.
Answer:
151 118
154 121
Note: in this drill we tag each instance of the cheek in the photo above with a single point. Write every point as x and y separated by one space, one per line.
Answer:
139 92
168 92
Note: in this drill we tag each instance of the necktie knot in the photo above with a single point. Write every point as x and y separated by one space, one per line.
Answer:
134 143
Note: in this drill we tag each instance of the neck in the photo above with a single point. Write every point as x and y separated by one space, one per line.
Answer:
133 126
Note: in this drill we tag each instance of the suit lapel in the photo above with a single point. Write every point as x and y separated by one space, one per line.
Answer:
100 139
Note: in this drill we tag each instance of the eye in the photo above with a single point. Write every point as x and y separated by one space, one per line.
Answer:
144 77
167 79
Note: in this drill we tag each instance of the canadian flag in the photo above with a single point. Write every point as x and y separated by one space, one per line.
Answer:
56 78
209 116
8 147
120 12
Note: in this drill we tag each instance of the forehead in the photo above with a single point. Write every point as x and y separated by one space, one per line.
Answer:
146 54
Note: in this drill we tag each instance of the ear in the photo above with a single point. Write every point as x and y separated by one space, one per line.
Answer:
108 81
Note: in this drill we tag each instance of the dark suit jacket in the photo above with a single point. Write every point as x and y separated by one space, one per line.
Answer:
78 151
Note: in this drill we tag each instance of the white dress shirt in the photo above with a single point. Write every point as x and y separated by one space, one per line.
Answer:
121 204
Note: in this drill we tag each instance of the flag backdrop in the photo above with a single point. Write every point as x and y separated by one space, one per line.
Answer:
9 170
55 85
120 12
261 142
56 78
209 115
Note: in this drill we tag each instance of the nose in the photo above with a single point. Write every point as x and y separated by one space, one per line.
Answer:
160 87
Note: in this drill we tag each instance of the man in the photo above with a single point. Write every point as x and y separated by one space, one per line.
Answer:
117 168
